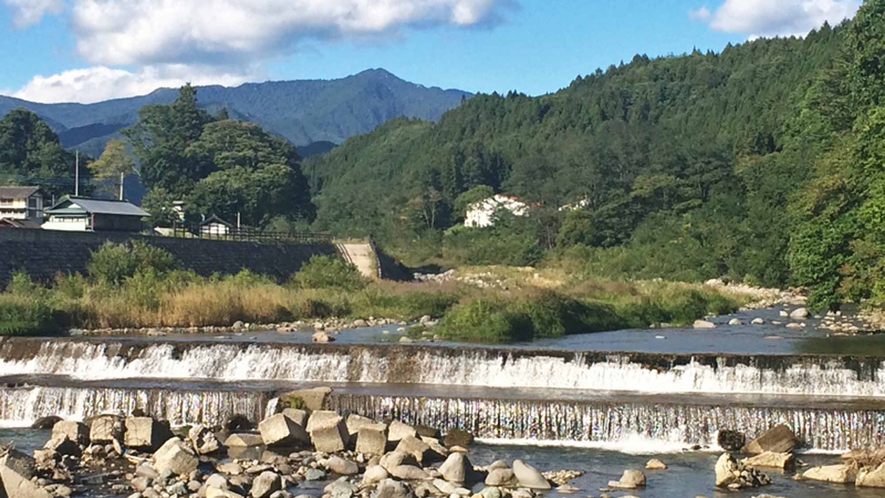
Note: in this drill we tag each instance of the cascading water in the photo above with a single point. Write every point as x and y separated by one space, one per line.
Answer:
789 375
20 407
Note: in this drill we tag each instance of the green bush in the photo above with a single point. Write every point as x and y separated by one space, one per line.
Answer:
327 272
405 305
113 263
25 316
21 285
247 278
485 321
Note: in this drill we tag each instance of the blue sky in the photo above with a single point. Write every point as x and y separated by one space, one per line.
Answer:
90 50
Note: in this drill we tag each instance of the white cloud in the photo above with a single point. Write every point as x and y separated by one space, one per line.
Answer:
27 12
231 31
779 17
95 84
700 14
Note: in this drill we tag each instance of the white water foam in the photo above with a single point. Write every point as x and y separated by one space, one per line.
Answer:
225 362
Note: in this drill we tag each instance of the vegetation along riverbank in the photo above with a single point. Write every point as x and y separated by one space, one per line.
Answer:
139 286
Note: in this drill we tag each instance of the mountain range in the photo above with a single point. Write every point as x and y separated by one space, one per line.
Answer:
314 115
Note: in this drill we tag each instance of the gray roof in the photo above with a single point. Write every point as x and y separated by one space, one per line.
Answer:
18 192
100 206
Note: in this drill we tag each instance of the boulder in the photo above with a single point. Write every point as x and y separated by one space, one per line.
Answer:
265 484
17 485
457 468
388 488
106 428
356 422
631 479
313 399
704 324
735 321
280 430
145 433
529 477
425 431
77 432
457 437
63 446
20 463
342 467
220 493
871 477
397 458
176 457
375 473
655 464
799 314
46 422
238 423
758 321
298 416
730 474
445 487
371 441
501 477
865 458
322 337
731 440
328 434
243 440
770 459
397 431
204 440
324 418
419 449
839 474
408 473
779 439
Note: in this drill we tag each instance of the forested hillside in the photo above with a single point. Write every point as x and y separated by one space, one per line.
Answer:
763 163
301 111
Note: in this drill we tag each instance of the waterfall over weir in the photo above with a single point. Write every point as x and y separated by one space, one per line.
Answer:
475 367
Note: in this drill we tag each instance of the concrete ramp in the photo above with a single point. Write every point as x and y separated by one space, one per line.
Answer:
363 256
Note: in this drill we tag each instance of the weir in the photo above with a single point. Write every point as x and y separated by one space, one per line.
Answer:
835 376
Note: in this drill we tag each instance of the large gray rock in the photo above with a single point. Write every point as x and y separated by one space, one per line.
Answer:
772 460
175 456
18 462
300 417
243 440
375 473
342 467
323 418
77 432
458 437
397 458
704 324
799 314
419 449
839 474
370 441
145 433
266 484
327 432
106 428
388 488
280 430
529 477
398 430
356 422
871 478
457 468
779 439
16 485
204 440
631 479
501 477
409 473
730 474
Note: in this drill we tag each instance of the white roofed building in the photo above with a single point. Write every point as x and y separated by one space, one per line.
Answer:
482 214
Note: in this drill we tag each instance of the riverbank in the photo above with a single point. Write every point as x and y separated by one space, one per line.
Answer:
489 305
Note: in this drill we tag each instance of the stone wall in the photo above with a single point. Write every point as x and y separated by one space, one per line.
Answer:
44 253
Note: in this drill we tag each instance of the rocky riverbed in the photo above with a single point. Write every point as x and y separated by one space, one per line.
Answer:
303 450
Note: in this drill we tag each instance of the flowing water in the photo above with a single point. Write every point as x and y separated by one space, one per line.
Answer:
597 402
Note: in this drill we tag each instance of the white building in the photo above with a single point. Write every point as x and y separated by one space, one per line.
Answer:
482 213
21 203
82 214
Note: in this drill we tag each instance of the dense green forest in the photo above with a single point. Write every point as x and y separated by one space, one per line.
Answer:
762 163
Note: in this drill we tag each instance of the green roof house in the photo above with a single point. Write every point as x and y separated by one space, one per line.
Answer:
81 214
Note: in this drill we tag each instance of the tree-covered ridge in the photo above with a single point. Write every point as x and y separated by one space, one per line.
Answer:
691 167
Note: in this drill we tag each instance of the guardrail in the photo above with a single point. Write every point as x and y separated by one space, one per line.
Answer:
252 235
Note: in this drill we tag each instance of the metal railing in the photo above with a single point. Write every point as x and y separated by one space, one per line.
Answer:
251 235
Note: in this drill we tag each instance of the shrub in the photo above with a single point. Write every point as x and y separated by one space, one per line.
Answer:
21 315
324 272
113 263
485 321
21 285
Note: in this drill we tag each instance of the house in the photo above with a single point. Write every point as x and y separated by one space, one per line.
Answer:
482 213
82 214
21 203
214 226
13 223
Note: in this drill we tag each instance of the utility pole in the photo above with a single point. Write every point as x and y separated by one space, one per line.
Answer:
76 173
121 185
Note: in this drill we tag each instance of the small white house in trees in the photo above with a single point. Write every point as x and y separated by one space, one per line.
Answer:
482 214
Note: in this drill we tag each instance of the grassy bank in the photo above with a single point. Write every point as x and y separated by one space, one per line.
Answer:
137 287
